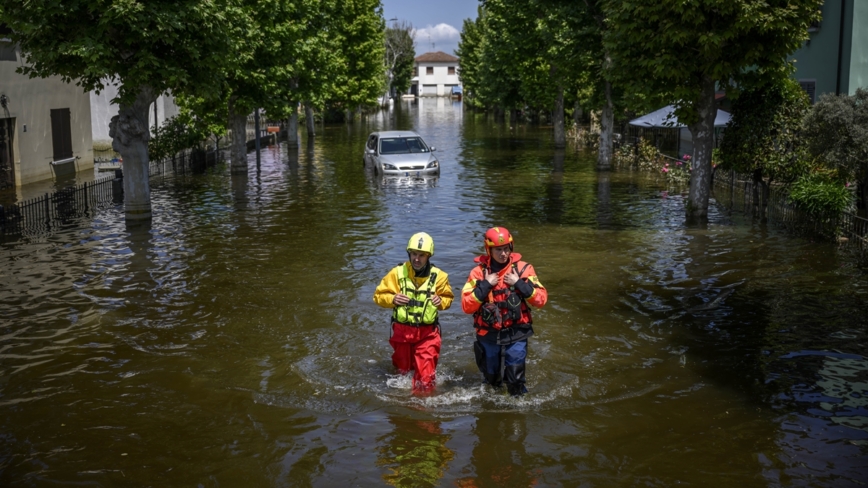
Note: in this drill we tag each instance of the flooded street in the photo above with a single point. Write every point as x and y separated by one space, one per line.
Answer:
233 341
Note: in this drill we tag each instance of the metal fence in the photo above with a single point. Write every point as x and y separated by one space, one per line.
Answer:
45 214
51 211
191 161
739 193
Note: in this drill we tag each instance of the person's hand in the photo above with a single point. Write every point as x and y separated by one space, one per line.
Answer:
491 278
510 278
401 299
435 300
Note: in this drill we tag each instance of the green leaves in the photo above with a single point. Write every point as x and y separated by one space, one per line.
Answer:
765 131
821 194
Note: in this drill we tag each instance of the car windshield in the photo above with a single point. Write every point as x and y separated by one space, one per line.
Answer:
402 145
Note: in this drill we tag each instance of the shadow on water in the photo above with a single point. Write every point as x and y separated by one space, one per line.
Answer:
232 340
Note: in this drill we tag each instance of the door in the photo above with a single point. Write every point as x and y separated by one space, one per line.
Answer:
61 134
7 156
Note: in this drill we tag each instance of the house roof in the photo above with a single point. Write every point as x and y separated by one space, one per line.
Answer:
436 57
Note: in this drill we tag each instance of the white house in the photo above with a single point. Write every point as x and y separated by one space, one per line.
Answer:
435 74
44 124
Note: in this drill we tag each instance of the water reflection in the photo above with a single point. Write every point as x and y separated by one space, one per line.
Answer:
232 340
501 455
414 453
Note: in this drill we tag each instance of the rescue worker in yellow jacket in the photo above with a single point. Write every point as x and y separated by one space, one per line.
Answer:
416 291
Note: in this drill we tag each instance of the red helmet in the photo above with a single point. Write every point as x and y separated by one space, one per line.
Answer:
496 237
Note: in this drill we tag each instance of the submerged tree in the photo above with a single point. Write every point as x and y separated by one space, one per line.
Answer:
763 138
148 48
469 52
400 56
357 30
690 49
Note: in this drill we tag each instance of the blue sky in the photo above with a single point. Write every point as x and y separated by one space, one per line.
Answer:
437 22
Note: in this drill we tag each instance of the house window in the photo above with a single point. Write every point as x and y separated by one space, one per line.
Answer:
61 134
415 71
429 70
451 70
810 87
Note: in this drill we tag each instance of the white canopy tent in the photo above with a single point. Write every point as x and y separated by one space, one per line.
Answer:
665 118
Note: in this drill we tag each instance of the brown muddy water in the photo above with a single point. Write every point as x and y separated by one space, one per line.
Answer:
234 342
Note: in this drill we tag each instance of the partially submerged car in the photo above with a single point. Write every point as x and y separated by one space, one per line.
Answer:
400 153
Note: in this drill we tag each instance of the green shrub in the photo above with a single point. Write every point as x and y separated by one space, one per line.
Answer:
624 156
648 158
173 137
821 193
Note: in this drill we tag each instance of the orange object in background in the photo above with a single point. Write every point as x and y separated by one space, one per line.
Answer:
272 129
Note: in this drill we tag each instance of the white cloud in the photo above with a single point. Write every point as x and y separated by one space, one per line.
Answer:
441 34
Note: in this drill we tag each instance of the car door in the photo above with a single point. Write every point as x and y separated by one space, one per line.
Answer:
375 160
370 145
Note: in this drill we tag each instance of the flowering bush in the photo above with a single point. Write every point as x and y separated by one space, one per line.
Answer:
677 172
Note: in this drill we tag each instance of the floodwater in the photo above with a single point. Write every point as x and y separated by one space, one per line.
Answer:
234 342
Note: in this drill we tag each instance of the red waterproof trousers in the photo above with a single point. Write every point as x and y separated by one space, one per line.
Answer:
417 349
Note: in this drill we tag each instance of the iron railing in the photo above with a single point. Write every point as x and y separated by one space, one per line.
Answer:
739 193
42 215
45 214
190 161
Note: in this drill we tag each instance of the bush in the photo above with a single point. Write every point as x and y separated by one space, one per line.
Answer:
170 139
677 172
821 194
624 157
648 157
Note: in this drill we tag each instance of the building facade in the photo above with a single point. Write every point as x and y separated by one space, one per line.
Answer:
434 75
835 57
45 127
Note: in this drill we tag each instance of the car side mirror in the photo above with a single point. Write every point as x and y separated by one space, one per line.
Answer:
433 148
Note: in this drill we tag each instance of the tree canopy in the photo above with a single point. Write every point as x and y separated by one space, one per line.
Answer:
688 50
400 56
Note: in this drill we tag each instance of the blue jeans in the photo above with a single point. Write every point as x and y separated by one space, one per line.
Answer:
515 354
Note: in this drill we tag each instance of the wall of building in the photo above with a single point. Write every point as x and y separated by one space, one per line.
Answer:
859 48
102 111
29 103
818 59
441 78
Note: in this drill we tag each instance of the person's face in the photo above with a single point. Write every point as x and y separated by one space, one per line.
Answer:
501 253
418 259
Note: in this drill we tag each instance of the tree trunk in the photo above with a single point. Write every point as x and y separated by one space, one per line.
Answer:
308 117
558 120
292 125
607 127
130 134
577 115
703 143
238 149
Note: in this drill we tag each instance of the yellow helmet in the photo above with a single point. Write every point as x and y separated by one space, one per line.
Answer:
421 242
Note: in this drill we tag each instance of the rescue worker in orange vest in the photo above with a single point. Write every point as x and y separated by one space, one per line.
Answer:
416 291
499 293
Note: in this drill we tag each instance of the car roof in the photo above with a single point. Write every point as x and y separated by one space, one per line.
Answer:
397 133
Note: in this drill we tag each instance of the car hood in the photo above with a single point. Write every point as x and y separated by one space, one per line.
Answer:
407 158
